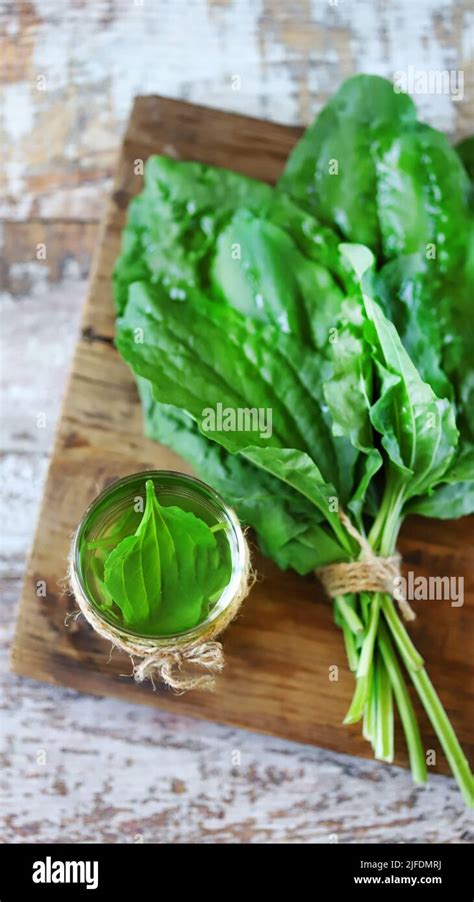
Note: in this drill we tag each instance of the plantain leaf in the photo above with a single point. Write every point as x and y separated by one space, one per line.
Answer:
418 429
367 167
332 171
446 502
259 270
288 525
241 365
163 577
454 497
173 223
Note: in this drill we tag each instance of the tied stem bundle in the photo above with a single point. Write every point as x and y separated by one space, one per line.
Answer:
371 573
375 640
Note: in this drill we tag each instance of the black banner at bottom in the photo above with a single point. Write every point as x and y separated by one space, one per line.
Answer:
64 871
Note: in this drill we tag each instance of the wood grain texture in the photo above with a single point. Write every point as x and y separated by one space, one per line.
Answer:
280 650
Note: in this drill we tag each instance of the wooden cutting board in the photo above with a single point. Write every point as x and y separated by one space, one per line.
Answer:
280 650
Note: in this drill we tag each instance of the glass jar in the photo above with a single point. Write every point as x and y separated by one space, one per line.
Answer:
116 512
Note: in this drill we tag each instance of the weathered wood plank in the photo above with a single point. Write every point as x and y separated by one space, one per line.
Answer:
38 254
70 70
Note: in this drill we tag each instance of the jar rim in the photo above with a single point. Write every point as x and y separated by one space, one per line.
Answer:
239 564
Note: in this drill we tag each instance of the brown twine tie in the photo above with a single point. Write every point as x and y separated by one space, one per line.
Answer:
370 573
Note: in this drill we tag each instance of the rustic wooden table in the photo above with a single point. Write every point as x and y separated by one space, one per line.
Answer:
77 768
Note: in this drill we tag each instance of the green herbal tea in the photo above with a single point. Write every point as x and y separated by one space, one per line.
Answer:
155 558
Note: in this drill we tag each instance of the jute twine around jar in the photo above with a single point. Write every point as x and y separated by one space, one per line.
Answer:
370 573
167 659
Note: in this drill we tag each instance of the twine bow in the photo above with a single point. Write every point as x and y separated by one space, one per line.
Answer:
208 655
370 573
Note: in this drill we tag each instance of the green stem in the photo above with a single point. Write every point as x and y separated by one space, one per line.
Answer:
367 651
405 708
359 699
391 528
445 733
388 515
351 650
349 614
363 682
431 703
375 681
369 724
410 655
365 601
384 729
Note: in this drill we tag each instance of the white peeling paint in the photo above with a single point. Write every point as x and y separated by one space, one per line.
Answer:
18 109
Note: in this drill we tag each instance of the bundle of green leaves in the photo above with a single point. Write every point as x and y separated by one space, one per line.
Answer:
341 301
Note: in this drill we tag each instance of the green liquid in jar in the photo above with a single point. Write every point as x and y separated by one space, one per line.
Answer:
118 514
